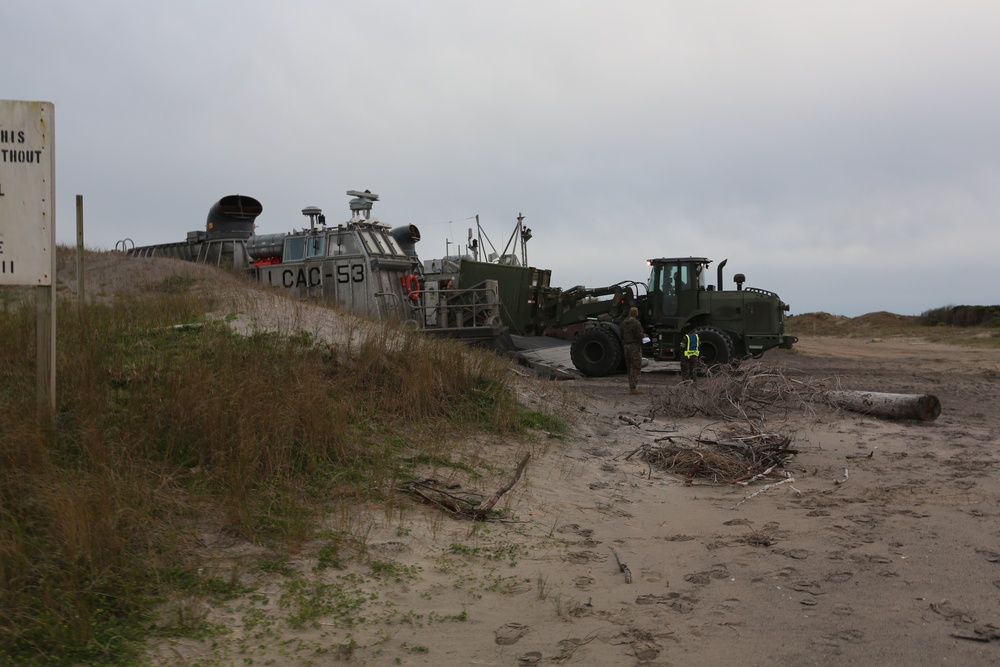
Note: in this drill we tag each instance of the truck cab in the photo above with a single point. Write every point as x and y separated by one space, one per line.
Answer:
731 323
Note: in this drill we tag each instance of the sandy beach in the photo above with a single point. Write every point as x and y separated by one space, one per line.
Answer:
881 548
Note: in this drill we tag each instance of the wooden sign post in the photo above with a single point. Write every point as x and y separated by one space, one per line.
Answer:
28 221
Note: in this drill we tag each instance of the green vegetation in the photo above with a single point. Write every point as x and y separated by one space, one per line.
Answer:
555 426
390 569
165 416
329 555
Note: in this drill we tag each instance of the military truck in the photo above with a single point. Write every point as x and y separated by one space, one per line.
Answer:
731 324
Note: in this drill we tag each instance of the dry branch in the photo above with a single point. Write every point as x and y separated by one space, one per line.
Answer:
429 492
481 512
468 506
763 489
622 566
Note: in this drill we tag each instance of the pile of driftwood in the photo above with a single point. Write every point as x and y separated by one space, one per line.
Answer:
743 394
463 504
732 457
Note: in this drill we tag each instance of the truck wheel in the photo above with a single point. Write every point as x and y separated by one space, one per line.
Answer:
716 346
596 352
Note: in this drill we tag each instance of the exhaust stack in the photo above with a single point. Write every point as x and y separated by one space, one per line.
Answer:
232 217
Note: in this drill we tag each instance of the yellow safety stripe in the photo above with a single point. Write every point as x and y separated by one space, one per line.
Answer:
692 345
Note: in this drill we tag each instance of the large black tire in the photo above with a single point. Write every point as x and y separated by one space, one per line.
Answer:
597 352
716 347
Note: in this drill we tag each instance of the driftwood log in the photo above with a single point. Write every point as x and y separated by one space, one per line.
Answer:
923 407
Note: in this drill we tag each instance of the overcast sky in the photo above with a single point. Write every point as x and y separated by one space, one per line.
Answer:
844 154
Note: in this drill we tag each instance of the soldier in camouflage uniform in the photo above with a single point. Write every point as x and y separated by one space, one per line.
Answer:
632 335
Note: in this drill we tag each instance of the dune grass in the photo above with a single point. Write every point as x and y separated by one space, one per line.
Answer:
163 415
928 326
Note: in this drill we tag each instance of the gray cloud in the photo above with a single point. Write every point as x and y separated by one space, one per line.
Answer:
841 154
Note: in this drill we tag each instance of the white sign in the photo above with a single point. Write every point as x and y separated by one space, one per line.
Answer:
27 193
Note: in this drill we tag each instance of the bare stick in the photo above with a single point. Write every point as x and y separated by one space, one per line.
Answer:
434 489
488 505
632 453
447 506
623 567
753 479
762 489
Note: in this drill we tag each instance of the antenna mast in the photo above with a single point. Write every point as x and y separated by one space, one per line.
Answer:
525 233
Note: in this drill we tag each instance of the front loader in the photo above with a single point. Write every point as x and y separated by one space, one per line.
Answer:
731 324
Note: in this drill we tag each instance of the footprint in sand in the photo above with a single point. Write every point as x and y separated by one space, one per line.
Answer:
584 583
676 601
945 609
651 576
868 559
584 557
705 578
518 588
838 577
645 652
990 556
843 610
575 529
835 639
810 586
725 607
510 633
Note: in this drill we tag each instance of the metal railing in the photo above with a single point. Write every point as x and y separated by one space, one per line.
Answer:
477 306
